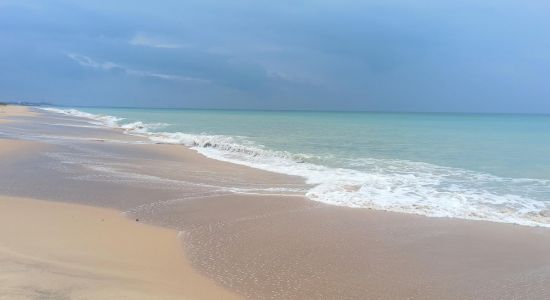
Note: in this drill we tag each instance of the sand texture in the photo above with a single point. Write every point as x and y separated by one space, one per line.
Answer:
67 251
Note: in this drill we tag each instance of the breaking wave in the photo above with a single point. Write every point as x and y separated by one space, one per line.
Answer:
383 184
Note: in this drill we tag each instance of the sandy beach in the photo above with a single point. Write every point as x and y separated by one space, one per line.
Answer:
52 250
7 111
70 195
64 251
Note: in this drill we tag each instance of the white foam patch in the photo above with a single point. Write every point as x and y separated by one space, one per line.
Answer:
393 185
96 119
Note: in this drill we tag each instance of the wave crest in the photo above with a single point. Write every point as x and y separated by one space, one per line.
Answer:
383 184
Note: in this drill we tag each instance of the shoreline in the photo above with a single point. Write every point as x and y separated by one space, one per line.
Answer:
64 250
486 208
268 246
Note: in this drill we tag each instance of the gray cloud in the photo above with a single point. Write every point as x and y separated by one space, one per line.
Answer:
351 55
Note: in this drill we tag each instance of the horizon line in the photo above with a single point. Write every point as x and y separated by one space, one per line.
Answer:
308 110
43 103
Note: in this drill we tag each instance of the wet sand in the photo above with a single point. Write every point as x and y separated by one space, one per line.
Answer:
274 245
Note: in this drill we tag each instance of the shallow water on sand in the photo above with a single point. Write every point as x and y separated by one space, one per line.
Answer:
472 166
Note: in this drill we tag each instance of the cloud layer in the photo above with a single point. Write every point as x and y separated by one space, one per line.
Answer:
480 56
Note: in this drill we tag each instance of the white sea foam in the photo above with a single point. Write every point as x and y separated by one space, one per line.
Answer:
393 185
140 127
95 119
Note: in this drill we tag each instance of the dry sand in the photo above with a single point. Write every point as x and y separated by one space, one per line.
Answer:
13 111
67 251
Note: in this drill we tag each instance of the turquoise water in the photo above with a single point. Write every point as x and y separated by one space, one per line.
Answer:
475 166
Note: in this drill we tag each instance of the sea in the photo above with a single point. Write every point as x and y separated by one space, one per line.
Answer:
493 167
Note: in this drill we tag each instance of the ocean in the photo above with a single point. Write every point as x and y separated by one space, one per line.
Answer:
492 167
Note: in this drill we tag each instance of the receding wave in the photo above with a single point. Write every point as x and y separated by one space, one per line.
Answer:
383 184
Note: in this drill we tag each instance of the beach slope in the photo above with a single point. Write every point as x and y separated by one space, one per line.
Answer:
67 251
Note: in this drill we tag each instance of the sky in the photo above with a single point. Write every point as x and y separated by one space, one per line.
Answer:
373 55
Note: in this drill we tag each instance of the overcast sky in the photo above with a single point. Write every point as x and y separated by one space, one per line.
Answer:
389 55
